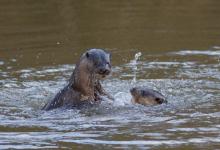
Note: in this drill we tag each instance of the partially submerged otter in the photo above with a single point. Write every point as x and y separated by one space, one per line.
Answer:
84 85
146 96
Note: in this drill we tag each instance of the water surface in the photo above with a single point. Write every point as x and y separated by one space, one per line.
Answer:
41 41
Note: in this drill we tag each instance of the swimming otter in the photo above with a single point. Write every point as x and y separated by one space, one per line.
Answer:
146 96
84 85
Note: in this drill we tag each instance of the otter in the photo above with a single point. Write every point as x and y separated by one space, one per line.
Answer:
145 96
84 87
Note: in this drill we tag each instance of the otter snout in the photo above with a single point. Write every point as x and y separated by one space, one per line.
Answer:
104 71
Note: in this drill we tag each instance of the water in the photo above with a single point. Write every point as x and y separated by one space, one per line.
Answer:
177 53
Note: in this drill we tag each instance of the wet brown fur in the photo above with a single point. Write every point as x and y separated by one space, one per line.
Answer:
145 96
144 101
84 87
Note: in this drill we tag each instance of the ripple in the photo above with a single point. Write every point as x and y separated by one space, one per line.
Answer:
190 117
198 52
209 129
133 142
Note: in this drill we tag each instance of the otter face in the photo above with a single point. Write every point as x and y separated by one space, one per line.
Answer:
145 96
100 60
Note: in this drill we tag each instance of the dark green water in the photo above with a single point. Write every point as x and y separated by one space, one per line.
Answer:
41 40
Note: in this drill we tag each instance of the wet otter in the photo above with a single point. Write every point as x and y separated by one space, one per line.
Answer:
84 85
146 96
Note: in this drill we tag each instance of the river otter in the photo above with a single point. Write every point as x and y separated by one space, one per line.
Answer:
146 96
84 85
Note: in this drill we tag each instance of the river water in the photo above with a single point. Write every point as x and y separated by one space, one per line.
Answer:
40 41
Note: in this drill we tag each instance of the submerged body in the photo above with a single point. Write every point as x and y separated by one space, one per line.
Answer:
84 86
146 96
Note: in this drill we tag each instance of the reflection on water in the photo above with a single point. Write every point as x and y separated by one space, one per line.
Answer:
179 43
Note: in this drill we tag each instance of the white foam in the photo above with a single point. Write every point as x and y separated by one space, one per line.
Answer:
122 99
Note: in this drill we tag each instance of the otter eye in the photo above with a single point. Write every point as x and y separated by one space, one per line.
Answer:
160 101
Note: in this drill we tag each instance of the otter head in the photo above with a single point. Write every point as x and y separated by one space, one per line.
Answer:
145 96
100 60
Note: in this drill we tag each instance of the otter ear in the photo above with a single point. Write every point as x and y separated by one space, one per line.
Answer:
87 54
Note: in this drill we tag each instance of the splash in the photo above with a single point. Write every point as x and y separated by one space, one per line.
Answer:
134 63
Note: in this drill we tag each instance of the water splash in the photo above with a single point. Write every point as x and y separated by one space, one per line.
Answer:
122 99
134 63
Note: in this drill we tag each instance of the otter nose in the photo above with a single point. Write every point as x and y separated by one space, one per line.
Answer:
104 71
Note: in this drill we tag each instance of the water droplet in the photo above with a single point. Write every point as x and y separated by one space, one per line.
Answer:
134 64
